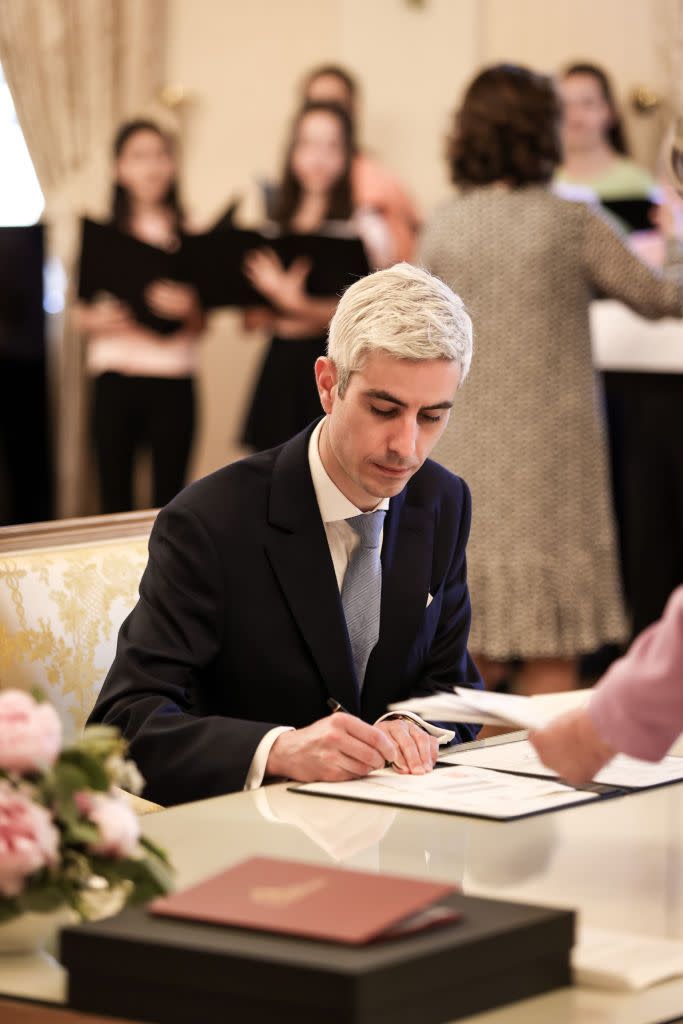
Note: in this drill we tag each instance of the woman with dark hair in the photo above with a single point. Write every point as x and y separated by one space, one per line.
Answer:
526 432
332 83
595 151
143 381
314 197
643 409
374 187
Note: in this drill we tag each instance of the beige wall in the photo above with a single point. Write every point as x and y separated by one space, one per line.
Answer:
241 62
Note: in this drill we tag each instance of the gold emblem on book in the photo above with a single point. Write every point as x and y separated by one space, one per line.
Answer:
285 895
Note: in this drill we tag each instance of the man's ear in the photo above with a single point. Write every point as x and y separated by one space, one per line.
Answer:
326 380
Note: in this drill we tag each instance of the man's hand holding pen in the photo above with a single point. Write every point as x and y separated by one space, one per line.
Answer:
343 746
417 750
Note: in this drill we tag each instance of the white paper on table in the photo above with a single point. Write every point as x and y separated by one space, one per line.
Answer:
620 961
479 706
434 709
464 704
459 790
520 756
482 707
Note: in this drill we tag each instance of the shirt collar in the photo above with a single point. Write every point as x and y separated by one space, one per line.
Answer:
333 505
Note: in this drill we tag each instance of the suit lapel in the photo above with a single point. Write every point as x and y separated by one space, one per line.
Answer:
300 556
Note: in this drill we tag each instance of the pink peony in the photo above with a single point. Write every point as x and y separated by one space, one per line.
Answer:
30 733
28 839
117 823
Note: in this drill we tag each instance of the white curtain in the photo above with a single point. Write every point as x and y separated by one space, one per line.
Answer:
76 69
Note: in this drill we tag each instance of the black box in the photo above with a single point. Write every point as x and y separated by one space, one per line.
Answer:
148 968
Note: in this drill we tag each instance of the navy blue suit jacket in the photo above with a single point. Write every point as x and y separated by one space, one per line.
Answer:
240 627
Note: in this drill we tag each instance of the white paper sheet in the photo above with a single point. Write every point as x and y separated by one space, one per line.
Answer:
458 790
624 962
520 756
487 708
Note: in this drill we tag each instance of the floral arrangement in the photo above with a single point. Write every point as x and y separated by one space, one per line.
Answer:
65 832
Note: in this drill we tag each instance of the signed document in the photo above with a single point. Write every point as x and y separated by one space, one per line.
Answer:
460 789
520 757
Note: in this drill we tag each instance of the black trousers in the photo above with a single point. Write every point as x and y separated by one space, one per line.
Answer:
134 413
653 487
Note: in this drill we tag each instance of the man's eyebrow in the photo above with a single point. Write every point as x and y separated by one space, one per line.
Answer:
385 396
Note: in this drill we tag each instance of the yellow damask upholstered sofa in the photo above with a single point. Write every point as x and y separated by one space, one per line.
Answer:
65 588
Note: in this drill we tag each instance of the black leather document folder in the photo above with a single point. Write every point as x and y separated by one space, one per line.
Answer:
215 262
116 264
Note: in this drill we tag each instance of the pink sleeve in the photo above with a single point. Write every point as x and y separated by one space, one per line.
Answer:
638 706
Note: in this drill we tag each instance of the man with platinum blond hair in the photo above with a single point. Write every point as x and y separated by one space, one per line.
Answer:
406 312
325 575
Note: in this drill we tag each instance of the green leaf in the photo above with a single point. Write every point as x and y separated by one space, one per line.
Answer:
153 874
43 899
91 769
99 741
9 909
68 779
75 868
149 877
152 848
81 832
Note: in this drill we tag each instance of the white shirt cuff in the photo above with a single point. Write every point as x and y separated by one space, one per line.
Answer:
444 736
260 758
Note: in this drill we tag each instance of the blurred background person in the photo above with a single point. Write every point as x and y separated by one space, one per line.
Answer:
637 707
143 395
595 152
193 78
597 165
374 186
314 196
527 433
652 469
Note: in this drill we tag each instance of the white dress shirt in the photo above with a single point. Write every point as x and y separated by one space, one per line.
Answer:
335 509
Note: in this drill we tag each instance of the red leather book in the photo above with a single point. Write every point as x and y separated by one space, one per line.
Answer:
332 904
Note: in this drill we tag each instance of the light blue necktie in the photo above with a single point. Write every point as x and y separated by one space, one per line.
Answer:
362 590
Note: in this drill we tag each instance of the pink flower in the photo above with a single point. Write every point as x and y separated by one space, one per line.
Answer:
30 733
117 823
28 839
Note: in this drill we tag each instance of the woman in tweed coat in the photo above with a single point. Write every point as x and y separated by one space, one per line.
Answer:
527 432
